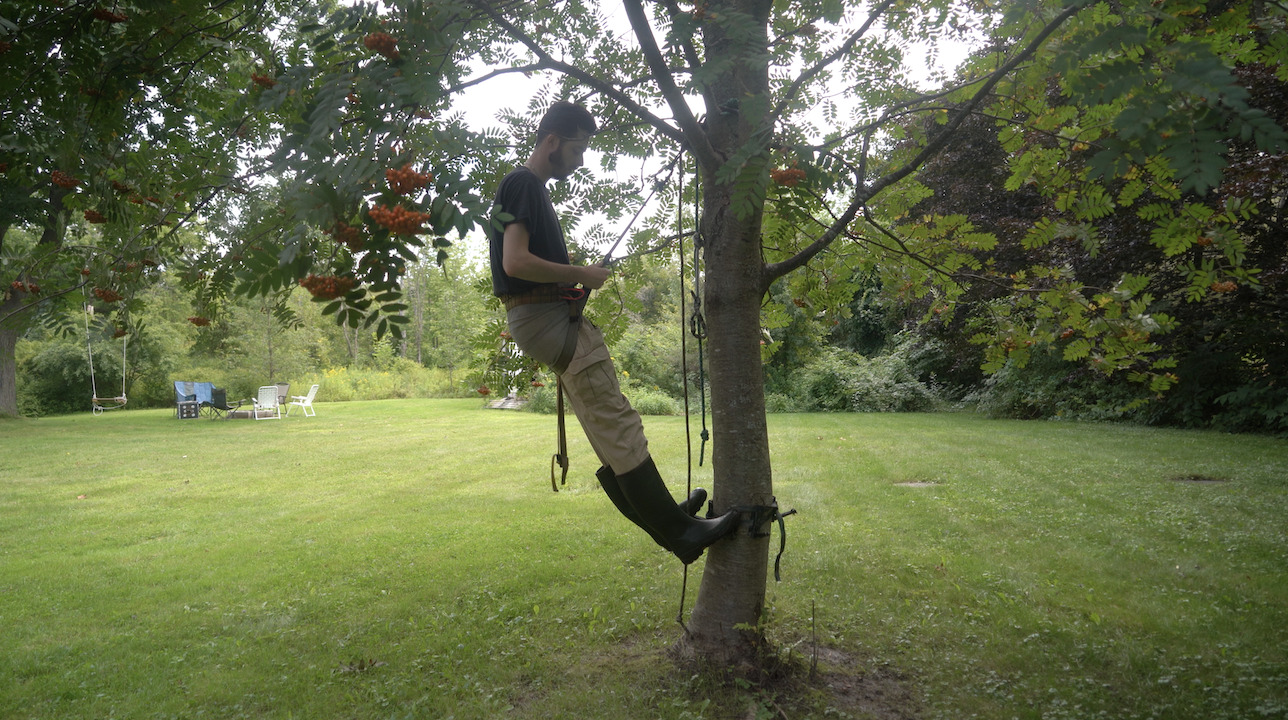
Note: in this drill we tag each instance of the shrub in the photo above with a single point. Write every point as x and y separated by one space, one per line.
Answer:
1051 387
845 381
780 403
646 401
54 378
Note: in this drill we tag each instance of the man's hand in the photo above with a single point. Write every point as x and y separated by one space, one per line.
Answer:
594 276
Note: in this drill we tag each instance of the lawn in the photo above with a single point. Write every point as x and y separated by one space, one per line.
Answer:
407 559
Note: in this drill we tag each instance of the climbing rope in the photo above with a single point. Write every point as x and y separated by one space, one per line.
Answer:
760 515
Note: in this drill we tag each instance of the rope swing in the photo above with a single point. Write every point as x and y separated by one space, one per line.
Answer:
101 404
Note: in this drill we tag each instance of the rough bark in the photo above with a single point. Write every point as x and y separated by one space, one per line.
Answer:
724 626
9 332
725 623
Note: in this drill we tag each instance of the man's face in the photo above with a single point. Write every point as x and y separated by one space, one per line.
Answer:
568 155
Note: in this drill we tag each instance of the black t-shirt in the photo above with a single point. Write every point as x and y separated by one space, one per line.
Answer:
524 196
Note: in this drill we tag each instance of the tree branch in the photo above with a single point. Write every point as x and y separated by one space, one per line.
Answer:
864 192
697 137
795 88
546 61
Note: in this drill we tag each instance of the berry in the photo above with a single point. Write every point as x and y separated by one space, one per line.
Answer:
263 81
1224 286
484 390
382 43
406 181
347 235
120 333
95 217
327 287
63 180
787 177
398 219
108 16
199 321
108 295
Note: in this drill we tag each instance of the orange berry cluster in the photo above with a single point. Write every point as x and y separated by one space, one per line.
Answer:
19 286
95 217
344 233
484 390
398 219
327 287
5 47
108 16
787 177
1224 286
63 180
121 187
406 181
199 321
120 333
383 43
108 295
263 81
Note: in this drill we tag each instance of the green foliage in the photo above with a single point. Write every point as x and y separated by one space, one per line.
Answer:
1050 387
56 378
845 381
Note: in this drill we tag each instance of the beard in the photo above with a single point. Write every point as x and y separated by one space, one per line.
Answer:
559 169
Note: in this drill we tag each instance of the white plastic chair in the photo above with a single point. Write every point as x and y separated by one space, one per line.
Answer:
304 401
267 400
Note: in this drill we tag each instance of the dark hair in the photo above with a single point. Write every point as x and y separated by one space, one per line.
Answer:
564 119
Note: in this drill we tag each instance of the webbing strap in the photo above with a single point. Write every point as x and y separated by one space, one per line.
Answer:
761 514
575 304
561 454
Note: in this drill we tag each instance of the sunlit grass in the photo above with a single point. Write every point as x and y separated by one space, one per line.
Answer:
407 559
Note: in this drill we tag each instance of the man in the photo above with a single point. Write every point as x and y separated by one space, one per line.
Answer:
533 276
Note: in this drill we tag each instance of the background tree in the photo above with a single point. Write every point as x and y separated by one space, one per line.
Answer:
120 125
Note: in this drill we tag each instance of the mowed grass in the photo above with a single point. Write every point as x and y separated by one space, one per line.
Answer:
407 559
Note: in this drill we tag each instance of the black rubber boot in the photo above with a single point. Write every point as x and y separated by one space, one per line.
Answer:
608 481
684 535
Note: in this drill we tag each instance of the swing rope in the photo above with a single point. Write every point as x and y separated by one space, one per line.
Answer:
96 402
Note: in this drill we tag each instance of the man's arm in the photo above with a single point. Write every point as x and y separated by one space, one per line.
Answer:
519 262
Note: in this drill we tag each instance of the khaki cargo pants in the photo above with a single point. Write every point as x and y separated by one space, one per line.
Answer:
612 426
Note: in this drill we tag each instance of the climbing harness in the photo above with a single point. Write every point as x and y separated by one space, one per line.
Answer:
101 404
577 297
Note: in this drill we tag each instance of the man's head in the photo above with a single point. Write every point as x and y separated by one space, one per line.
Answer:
562 137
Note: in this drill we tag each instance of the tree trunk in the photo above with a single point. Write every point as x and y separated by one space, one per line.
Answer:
725 624
9 332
